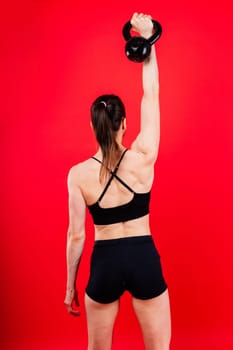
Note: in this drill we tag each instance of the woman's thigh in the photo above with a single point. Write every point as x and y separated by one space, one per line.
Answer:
100 323
155 321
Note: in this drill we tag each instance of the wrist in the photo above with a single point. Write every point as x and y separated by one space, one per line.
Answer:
146 35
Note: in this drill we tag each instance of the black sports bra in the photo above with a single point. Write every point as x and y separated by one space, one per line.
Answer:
137 207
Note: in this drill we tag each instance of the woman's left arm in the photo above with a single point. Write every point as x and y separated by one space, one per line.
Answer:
75 239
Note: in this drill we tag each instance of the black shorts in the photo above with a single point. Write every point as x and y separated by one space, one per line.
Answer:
125 264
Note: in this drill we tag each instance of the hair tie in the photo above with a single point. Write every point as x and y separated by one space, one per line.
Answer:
104 103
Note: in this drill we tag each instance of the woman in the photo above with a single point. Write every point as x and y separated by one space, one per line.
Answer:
115 185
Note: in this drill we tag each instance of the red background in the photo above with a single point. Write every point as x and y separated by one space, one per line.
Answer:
56 58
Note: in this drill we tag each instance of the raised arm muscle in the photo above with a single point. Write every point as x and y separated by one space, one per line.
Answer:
147 141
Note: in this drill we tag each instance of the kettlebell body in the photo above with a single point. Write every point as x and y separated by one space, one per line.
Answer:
137 48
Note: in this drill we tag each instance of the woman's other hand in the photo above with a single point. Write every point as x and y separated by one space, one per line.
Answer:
71 302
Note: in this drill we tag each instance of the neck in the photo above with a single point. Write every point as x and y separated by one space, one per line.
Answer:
119 139
99 151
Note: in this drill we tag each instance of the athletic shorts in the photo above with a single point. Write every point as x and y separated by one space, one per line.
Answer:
125 264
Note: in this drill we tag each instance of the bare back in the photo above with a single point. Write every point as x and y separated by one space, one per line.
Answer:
137 171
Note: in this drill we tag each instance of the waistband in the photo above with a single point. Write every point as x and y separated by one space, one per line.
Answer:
123 241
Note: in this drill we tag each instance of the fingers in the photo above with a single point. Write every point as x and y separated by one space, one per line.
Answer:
137 16
139 20
143 15
142 24
71 300
72 311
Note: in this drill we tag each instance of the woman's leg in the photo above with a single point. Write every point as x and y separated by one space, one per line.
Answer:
100 323
154 318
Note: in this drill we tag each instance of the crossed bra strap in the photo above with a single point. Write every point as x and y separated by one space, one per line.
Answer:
113 175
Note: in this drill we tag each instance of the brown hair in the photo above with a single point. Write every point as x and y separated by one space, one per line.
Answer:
107 113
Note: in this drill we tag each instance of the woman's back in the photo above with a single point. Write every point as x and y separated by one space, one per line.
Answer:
136 171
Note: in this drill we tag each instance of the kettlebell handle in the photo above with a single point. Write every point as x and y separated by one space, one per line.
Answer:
154 37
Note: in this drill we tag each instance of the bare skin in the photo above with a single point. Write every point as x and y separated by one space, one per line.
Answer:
137 170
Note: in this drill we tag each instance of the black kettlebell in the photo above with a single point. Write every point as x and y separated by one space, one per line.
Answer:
137 48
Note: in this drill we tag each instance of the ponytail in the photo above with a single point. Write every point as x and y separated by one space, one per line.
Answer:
107 113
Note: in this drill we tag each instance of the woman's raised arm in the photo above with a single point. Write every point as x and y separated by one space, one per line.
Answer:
147 141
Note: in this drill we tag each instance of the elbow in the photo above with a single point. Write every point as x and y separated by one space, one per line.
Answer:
155 88
76 236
